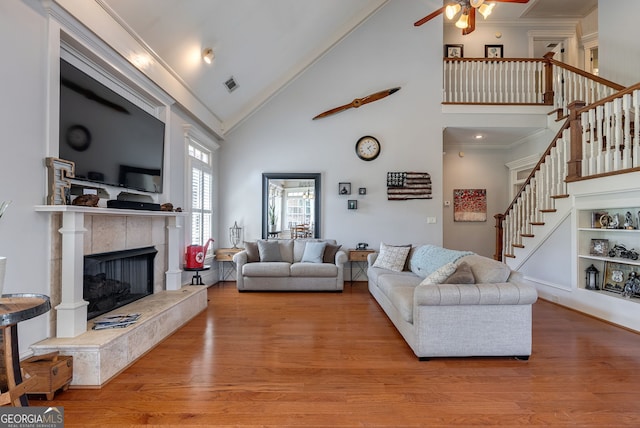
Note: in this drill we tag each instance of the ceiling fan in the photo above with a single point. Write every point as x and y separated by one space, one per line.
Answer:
467 20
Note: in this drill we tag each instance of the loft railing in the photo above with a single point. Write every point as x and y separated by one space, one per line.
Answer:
521 81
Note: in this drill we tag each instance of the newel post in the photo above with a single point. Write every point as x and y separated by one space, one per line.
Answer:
548 79
574 166
499 220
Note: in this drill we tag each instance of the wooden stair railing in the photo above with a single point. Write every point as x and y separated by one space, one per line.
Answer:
544 184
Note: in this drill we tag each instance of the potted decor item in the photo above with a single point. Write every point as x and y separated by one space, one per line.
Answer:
273 218
3 260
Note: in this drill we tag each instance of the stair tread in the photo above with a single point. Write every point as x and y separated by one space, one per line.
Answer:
541 223
518 245
548 211
527 235
559 196
510 256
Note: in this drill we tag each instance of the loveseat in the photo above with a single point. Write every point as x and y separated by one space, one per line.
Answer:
448 303
291 265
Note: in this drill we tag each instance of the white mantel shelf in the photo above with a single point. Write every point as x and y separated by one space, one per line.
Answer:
106 211
72 310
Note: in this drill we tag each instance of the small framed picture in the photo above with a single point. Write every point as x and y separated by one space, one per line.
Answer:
362 191
352 204
344 188
454 51
494 51
595 219
599 247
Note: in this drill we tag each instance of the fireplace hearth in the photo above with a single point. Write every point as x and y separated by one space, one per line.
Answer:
117 278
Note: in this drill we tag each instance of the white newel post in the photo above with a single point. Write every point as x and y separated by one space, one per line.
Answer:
173 276
72 310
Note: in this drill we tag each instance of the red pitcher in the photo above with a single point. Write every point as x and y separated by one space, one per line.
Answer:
194 256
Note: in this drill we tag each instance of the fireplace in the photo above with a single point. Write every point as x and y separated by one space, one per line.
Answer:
117 278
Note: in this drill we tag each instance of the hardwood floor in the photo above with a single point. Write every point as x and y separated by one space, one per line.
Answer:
334 360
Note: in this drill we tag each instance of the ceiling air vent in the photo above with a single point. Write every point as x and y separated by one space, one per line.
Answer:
231 84
552 45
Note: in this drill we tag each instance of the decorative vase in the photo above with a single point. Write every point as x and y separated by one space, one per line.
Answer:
3 263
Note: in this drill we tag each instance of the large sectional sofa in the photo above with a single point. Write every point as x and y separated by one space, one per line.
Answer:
485 311
289 270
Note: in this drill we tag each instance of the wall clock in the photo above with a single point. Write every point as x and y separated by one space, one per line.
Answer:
368 148
78 138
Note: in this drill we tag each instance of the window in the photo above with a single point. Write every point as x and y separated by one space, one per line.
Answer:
199 186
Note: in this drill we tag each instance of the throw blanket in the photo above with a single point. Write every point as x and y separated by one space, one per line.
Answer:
429 258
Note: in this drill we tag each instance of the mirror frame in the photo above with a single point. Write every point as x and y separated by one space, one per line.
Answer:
308 176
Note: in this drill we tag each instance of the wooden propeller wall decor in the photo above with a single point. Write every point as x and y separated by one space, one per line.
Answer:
359 102
467 11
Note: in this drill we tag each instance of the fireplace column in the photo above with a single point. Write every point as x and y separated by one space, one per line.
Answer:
72 310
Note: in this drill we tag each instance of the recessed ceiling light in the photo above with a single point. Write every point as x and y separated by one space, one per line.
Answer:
479 137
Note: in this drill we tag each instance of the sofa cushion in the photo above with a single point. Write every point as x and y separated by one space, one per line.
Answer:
462 275
253 255
440 275
270 269
316 270
401 297
330 251
392 257
313 252
486 270
427 259
269 251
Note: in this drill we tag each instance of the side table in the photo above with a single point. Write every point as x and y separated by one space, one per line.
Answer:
197 279
226 255
359 257
15 308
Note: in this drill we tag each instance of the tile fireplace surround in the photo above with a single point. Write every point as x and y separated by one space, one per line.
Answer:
79 231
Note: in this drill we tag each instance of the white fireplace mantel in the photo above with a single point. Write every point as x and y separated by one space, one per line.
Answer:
72 310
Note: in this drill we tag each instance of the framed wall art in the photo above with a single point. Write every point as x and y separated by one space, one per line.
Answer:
454 51
470 205
344 188
352 204
599 247
494 51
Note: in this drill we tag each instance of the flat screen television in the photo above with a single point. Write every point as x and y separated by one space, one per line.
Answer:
111 140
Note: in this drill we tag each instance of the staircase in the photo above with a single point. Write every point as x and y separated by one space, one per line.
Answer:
598 136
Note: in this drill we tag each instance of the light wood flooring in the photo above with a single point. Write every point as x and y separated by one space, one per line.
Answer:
258 359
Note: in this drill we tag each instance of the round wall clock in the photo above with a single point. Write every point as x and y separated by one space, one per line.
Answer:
368 148
78 138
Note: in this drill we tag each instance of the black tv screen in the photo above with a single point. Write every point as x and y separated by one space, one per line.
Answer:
111 140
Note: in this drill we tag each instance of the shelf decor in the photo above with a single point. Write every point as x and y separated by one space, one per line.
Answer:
599 247
592 278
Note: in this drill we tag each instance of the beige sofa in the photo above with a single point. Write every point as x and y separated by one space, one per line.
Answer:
489 317
291 273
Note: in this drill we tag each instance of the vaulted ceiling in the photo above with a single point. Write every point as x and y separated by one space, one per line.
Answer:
264 44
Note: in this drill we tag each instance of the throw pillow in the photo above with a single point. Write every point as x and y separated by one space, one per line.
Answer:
269 251
330 253
313 252
392 257
440 275
462 275
252 252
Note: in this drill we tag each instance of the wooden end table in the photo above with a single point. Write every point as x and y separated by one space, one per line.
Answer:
15 308
359 257
226 255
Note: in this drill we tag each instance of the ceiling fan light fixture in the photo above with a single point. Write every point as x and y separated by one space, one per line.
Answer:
486 9
208 55
452 10
476 3
463 22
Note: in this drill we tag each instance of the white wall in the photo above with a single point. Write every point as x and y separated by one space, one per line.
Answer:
475 169
386 51
618 36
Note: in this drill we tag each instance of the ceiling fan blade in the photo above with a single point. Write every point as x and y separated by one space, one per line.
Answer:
430 17
472 22
511 1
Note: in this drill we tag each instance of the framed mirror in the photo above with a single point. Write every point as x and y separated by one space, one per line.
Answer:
291 205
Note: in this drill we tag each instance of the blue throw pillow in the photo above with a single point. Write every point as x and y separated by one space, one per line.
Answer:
313 252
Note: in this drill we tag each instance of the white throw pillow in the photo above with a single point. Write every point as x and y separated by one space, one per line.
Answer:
440 275
313 252
392 257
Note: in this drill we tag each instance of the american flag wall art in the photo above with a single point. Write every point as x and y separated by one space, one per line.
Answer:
408 185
